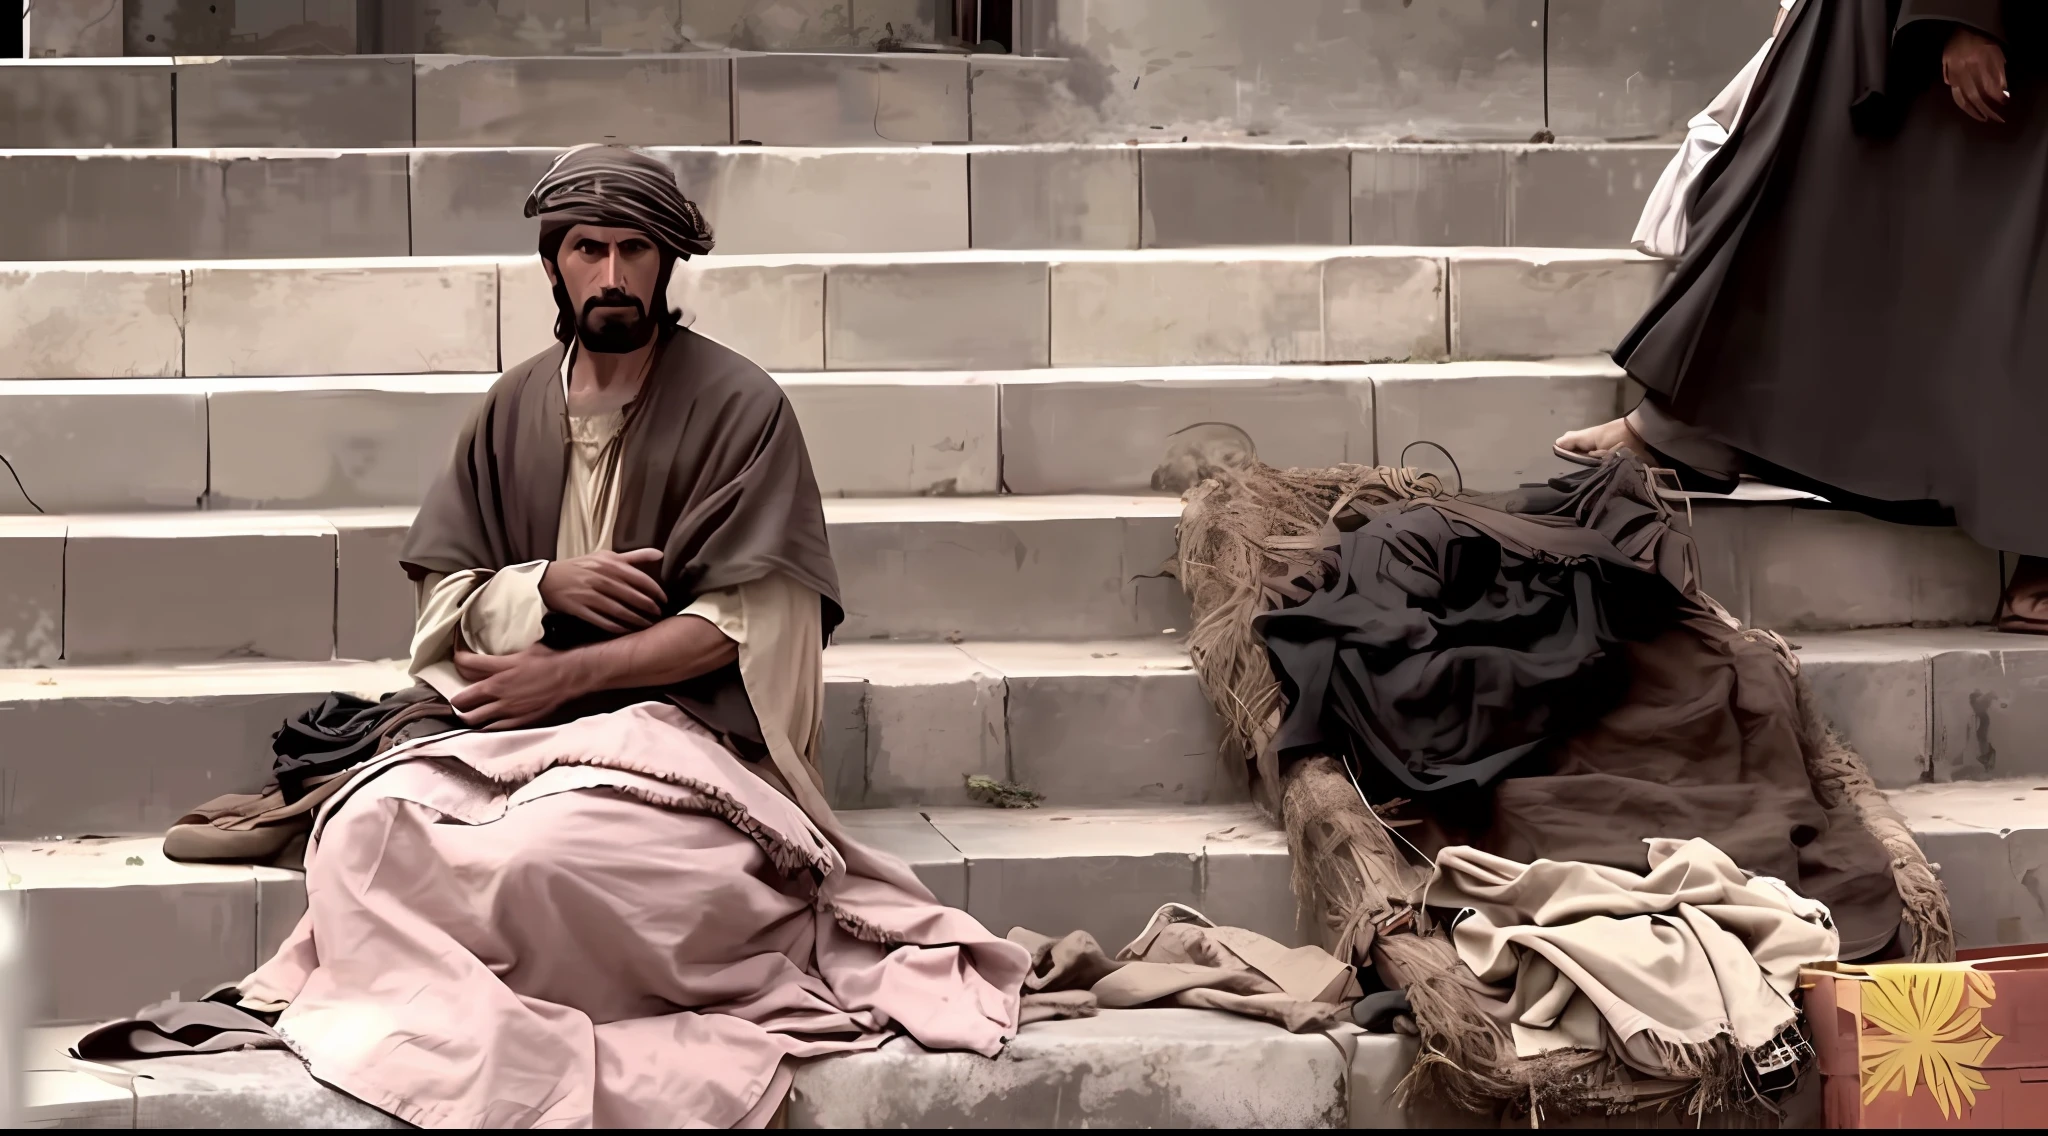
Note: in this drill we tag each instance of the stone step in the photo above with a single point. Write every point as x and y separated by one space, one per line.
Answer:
209 586
127 445
87 902
1162 1068
191 203
697 99
212 586
982 310
129 749
1989 840
1799 566
1931 707
1154 1068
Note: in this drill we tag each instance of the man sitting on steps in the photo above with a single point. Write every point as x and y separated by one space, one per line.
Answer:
621 900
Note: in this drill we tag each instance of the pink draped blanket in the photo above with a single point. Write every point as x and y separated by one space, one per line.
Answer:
610 923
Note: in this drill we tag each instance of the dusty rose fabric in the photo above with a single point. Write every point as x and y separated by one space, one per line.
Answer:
609 923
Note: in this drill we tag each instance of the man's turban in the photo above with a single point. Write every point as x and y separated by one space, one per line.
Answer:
617 187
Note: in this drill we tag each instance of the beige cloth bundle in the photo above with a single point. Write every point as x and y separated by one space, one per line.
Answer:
1183 959
1666 964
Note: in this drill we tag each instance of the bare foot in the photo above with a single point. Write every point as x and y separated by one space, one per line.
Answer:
1599 441
2025 605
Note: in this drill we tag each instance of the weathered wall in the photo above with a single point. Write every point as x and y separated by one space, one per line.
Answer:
1282 70
240 27
1318 70
515 27
1641 68
1309 69
73 28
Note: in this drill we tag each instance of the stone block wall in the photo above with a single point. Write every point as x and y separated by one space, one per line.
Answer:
1152 70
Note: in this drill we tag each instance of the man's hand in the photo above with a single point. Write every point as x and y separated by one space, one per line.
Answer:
512 692
1973 66
608 590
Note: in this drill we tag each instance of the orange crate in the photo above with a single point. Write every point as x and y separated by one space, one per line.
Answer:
1943 1045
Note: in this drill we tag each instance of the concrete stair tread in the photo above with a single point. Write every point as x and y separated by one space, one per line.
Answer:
856 659
207 680
966 508
476 382
1911 642
954 309
1748 491
385 195
1988 841
1112 721
1001 508
838 510
318 584
1142 146
1106 656
306 442
1148 1068
1224 254
2002 807
963 832
1104 870
126 749
931 835
1052 869
114 862
1076 565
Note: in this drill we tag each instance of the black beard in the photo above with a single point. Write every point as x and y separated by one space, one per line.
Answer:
615 336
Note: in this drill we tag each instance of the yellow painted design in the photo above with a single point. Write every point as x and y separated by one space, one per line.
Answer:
1932 1026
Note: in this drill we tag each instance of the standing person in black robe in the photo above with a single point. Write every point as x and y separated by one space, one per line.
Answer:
1859 310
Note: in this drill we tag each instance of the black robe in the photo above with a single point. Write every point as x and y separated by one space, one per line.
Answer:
1856 304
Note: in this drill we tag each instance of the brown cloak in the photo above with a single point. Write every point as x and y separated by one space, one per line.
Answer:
713 472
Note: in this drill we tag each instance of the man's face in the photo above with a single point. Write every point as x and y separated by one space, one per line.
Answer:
609 275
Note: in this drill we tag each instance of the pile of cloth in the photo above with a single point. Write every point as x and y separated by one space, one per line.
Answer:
1536 780
1183 959
675 931
314 756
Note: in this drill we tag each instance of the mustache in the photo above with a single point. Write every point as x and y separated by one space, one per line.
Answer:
614 298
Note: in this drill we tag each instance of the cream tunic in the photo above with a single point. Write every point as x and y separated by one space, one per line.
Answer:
774 621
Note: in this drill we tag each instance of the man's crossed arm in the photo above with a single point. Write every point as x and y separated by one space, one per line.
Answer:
609 590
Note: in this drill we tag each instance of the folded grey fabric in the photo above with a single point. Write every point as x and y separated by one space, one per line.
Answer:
167 1029
1376 1012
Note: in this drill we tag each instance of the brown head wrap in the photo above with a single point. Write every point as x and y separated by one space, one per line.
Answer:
617 186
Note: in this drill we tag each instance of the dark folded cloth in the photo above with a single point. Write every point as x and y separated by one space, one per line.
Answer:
1379 1013
1438 654
344 731
315 755
214 1024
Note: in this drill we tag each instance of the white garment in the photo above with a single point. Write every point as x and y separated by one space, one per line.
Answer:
1662 229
